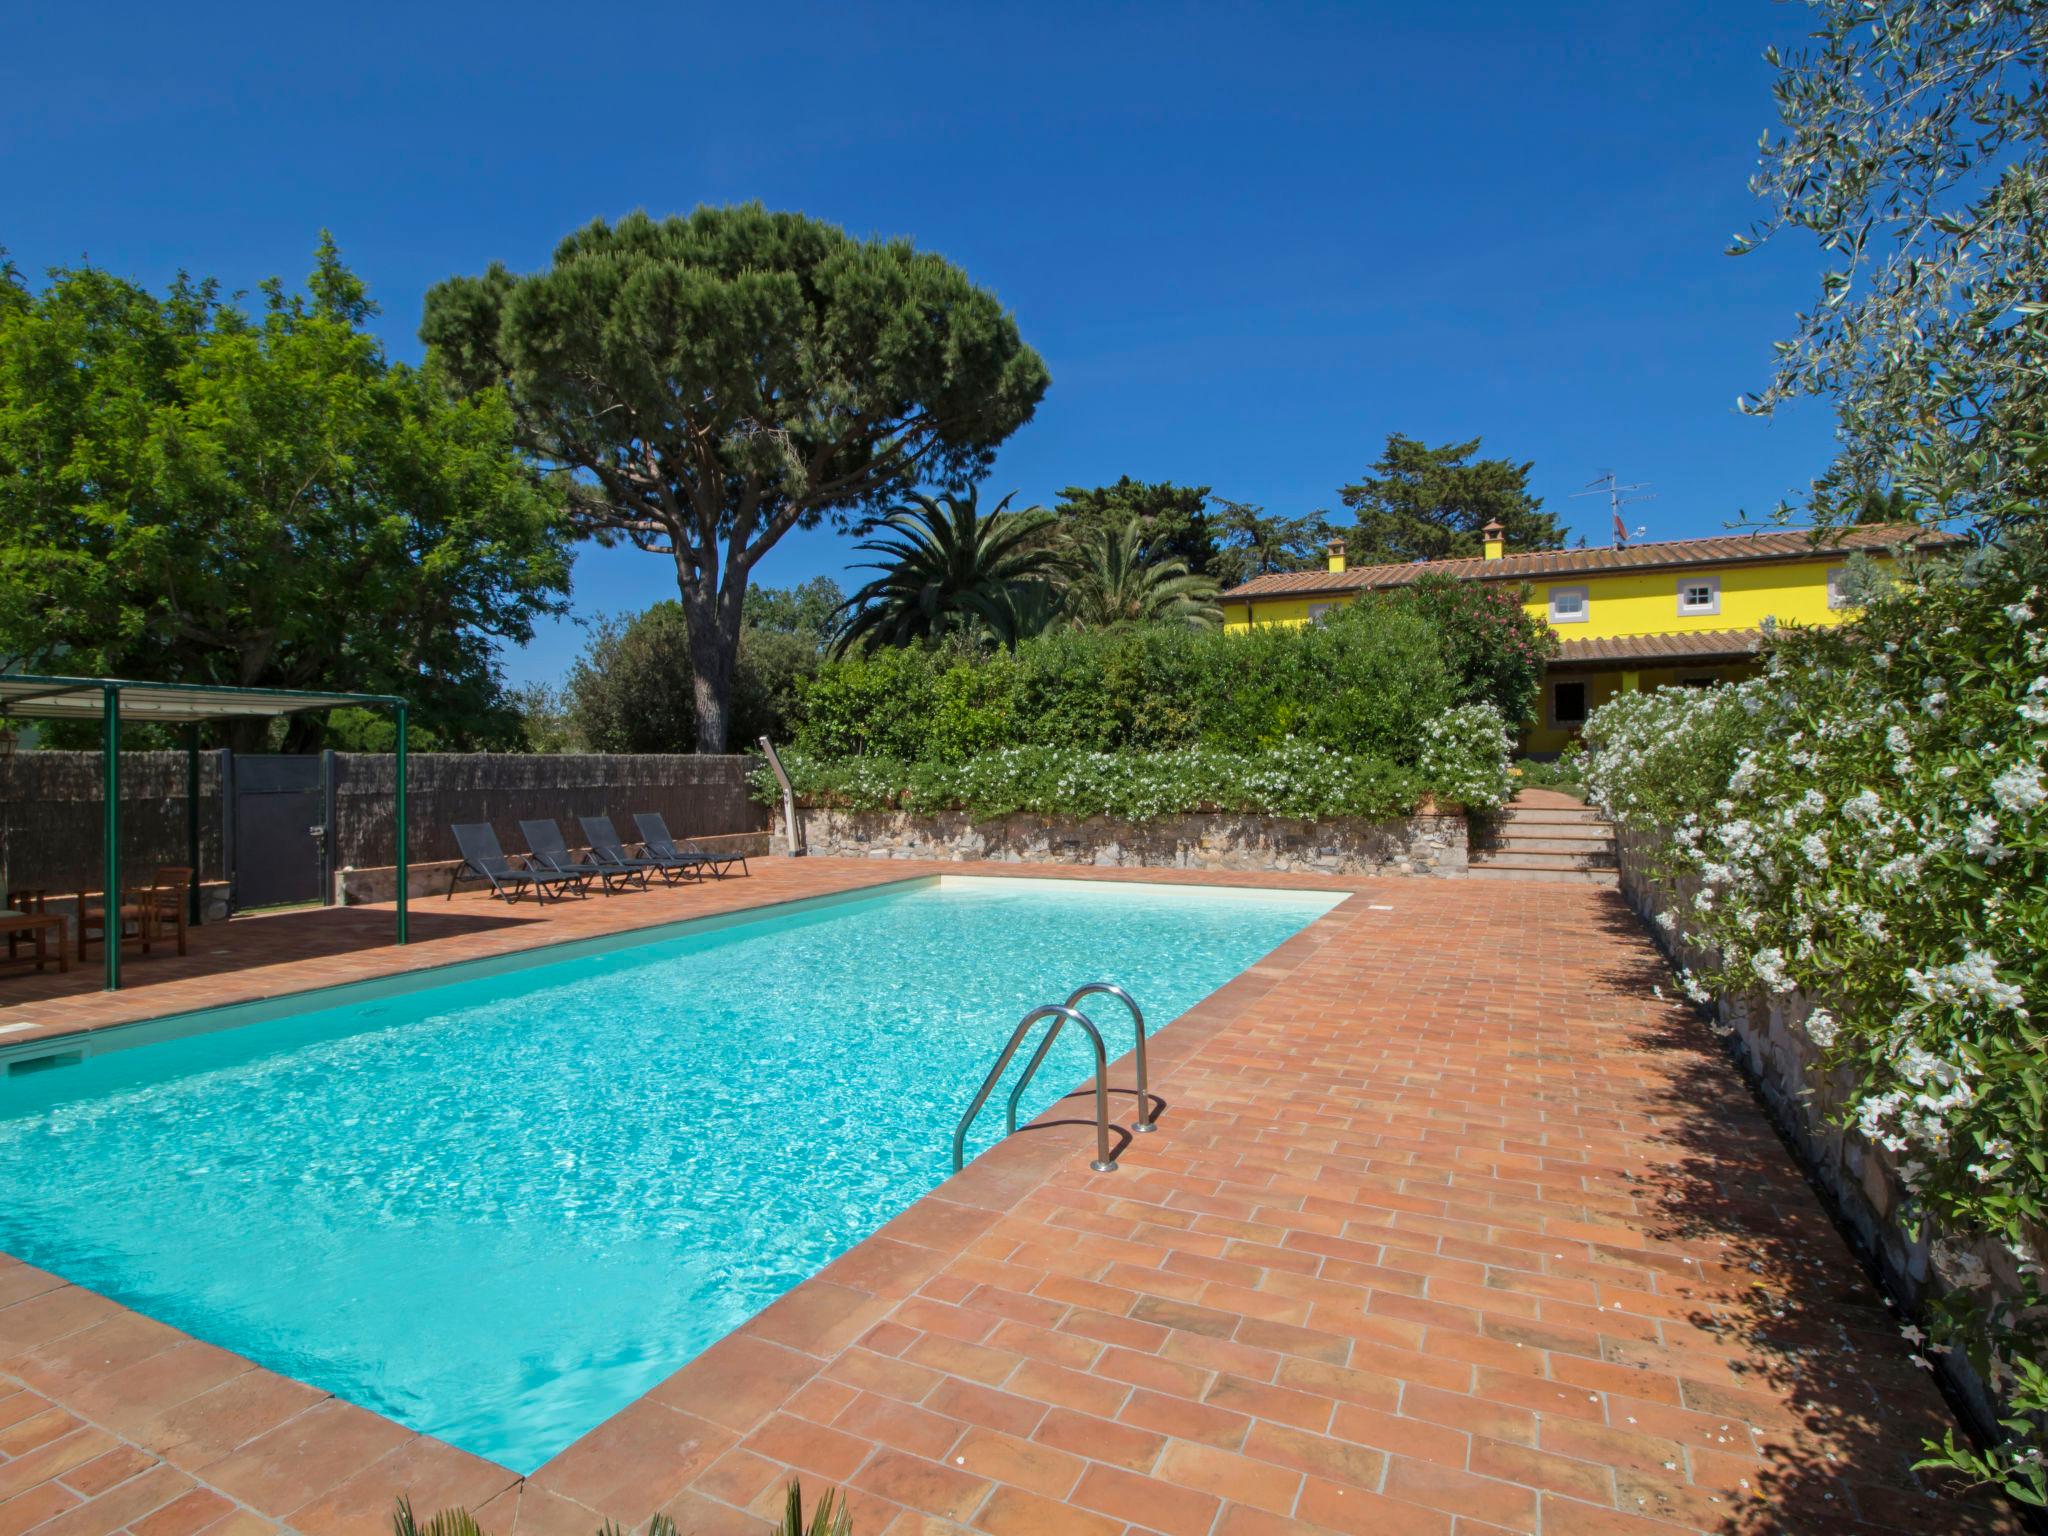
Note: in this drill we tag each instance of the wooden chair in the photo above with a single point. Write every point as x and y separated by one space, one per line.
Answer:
150 908
167 898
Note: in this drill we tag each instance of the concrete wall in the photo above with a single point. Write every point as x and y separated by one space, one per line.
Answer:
1419 845
1764 1033
51 816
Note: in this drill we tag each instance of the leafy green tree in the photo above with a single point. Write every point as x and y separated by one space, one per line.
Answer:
1113 582
1424 503
1914 149
1173 520
546 723
703 385
1256 543
948 570
193 493
812 608
631 688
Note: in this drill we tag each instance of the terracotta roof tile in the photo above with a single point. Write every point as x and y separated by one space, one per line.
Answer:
1774 544
1692 645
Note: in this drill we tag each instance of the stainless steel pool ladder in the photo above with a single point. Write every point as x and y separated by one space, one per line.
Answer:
1063 1014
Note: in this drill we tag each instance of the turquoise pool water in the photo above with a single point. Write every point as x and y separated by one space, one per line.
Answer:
500 1208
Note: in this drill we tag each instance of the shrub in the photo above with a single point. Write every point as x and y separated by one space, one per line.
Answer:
873 703
1465 757
1868 822
1493 647
1467 764
1364 686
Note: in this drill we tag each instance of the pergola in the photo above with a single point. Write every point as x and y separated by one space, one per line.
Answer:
110 700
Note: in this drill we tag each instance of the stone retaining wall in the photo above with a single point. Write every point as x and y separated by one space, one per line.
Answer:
1860 1179
1418 845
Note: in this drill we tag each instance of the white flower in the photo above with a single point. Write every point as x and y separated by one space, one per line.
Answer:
1980 838
1816 849
2019 613
1769 965
2019 788
1970 979
1864 806
1821 1028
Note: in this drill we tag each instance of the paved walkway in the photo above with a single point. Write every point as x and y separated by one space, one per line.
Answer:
1451 1226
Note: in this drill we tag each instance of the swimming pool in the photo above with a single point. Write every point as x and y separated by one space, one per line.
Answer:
498 1203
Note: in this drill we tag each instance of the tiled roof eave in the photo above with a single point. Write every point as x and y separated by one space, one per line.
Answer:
1651 650
1681 554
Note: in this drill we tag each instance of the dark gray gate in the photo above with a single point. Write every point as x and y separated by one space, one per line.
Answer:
280 830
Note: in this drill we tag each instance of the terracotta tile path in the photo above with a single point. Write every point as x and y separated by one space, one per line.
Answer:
1452 1227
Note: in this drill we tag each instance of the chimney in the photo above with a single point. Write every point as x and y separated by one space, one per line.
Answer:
1496 539
1336 556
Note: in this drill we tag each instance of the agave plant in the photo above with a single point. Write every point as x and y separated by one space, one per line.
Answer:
946 568
1113 583
450 1522
830 1518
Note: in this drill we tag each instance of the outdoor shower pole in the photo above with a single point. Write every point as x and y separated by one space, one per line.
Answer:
110 854
795 839
401 822
192 819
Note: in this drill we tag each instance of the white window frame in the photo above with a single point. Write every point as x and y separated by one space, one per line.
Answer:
1837 574
1550 701
1585 598
1317 612
1710 607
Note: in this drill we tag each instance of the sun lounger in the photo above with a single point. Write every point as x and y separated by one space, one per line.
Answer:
654 835
608 848
509 875
545 839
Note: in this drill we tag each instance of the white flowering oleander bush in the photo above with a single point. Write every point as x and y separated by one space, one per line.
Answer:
1135 786
1867 824
1463 760
1465 757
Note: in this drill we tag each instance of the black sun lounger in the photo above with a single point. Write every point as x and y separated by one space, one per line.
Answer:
552 853
483 859
654 833
608 851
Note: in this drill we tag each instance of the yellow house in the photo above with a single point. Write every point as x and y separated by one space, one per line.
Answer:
1687 612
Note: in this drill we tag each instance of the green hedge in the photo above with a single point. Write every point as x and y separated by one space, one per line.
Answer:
1365 686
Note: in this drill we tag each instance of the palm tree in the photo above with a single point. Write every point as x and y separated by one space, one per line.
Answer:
947 569
1112 583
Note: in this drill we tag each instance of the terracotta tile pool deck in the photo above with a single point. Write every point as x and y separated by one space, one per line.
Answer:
1452 1227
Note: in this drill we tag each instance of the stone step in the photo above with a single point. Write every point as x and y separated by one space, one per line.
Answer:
1524 858
1549 840
1544 876
1545 815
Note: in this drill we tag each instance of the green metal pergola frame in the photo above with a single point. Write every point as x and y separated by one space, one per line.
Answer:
111 700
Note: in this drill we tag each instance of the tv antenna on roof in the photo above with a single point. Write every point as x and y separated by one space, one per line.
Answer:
1603 484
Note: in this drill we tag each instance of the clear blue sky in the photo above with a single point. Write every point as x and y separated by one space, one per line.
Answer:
1248 244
